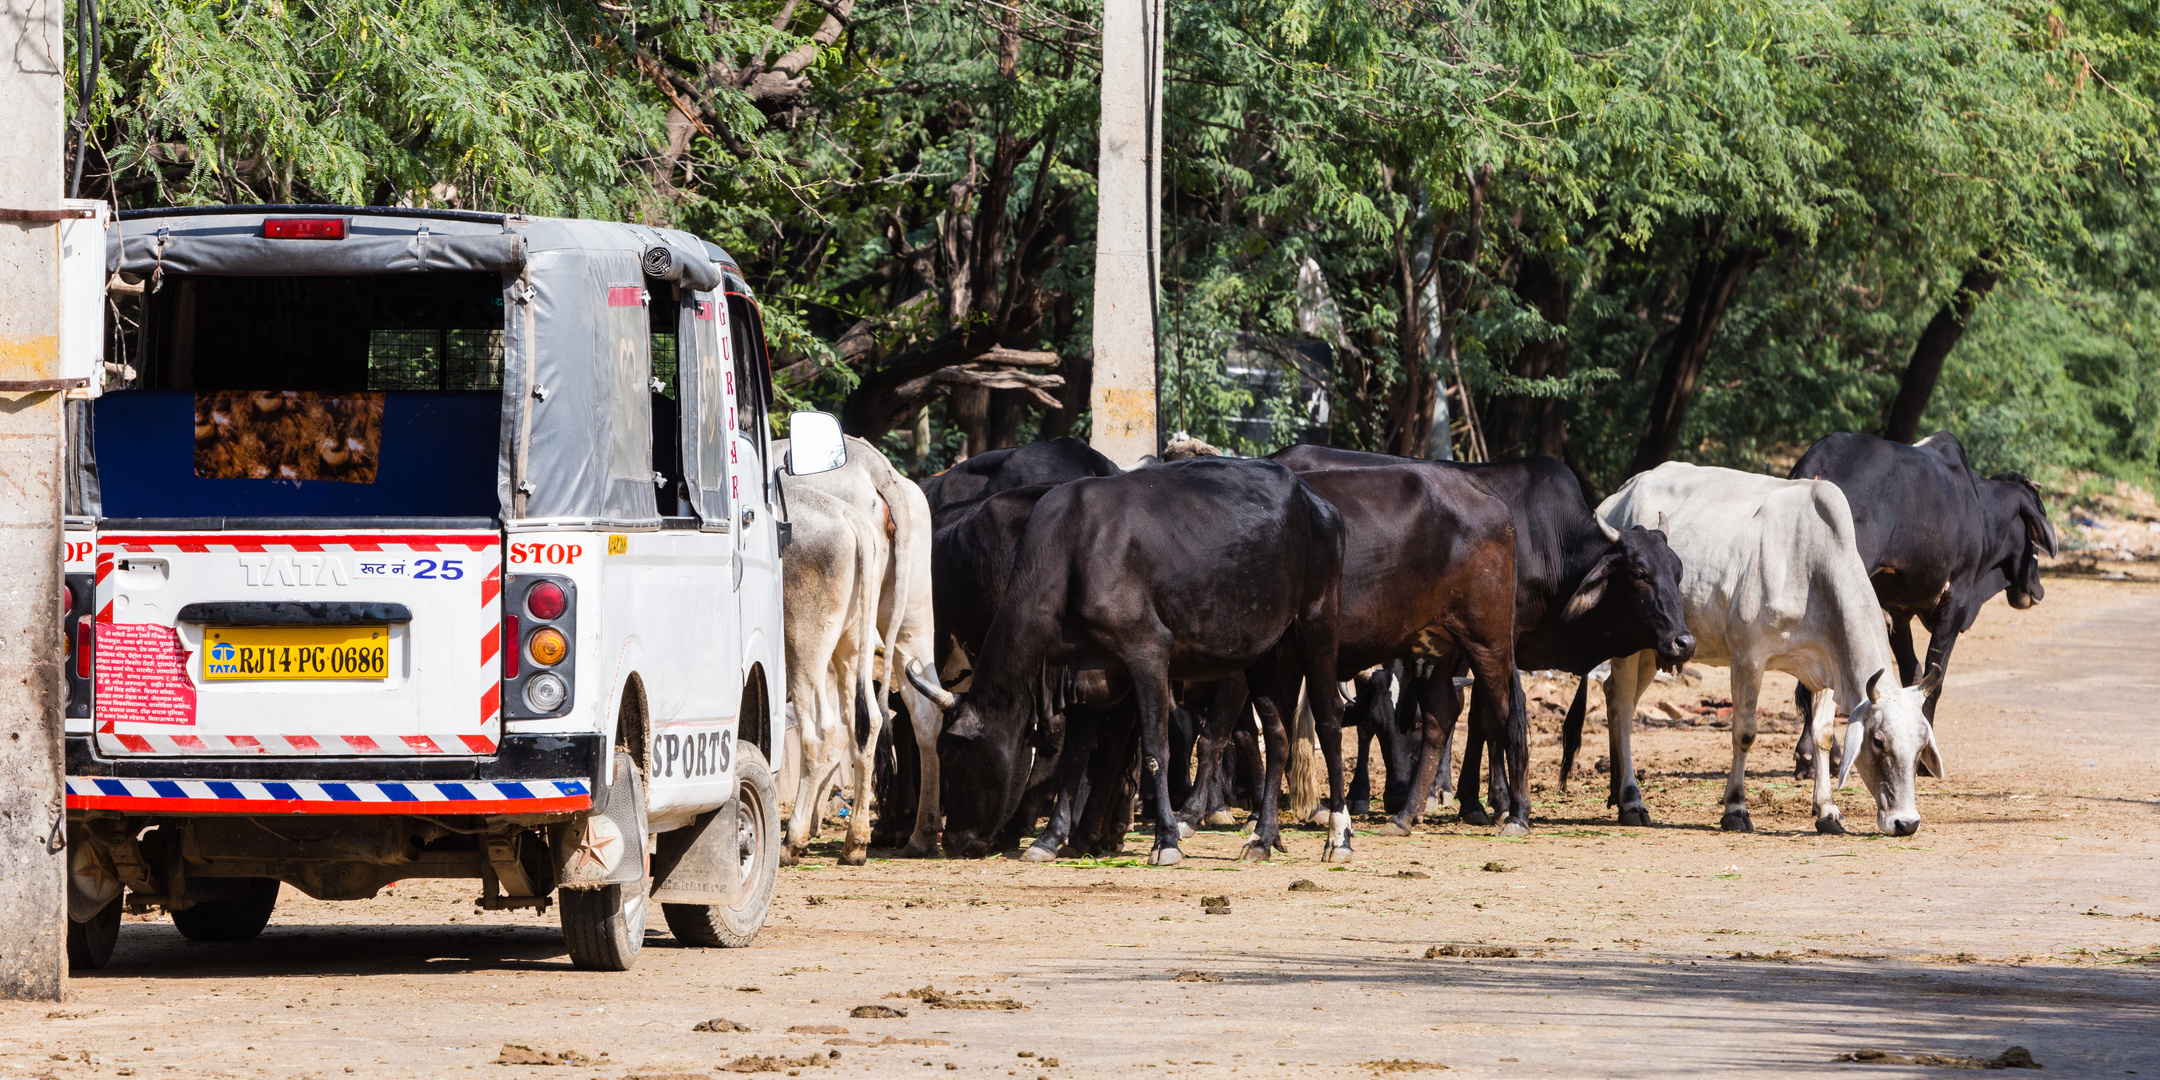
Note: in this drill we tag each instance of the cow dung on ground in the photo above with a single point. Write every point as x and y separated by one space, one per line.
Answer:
1196 976
1305 885
817 1029
720 1023
2016 1057
753 1063
876 1012
1401 1065
1475 952
517 1054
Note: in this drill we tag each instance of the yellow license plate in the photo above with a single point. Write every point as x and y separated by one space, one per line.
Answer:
296 652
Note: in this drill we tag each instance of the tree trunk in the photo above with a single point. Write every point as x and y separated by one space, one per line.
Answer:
970 412
1410 413
1716 277
1516 425
1941 335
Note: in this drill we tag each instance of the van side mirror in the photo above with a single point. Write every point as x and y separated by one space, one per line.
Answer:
815 444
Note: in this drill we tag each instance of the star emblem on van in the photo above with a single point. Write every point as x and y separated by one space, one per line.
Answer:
599 846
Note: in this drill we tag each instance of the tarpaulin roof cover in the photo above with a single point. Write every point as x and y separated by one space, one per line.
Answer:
576 439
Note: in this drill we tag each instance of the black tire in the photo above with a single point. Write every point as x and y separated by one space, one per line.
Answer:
90 944
231 920
757 810
604 927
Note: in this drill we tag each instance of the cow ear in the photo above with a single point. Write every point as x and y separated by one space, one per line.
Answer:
1930 759
2040 531
1592 588
1874 694
966 723
1855 735
1930 680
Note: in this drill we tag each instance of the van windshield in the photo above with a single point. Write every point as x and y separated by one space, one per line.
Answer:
324 396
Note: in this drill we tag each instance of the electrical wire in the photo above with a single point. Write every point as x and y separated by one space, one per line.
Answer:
1151 36
89 53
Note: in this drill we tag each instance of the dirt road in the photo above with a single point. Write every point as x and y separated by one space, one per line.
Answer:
2026 912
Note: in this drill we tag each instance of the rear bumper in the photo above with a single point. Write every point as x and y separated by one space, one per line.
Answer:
529 774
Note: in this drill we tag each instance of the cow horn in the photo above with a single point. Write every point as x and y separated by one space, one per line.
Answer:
1931 679
1874 695
1661 521
1854 732
929 687
1611 531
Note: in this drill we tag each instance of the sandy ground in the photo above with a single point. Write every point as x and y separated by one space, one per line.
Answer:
2026 912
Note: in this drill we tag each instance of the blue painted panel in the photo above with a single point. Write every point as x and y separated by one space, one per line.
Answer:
439 451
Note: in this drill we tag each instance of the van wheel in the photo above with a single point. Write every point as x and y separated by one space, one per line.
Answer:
604 927
90 944
757 828
231 920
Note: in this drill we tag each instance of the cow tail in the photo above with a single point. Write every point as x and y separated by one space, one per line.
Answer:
1571 731
871 710
889 487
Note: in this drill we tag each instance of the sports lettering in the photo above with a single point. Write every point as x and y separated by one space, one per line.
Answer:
699 754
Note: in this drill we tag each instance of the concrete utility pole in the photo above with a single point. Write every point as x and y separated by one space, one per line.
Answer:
33 864
1128 230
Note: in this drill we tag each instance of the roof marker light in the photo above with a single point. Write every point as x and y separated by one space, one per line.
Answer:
303 228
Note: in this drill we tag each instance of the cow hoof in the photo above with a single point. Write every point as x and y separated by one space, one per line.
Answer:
1335 853
1737 821
1184 831
789 856
1635 815
1165 856
1393 828
1830 825
1039 853
920 848
1361 807
1475 815
1514 828
1221 819
854 856
1255 851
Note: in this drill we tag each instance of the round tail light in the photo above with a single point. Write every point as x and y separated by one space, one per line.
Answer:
546 601
547 647
545 693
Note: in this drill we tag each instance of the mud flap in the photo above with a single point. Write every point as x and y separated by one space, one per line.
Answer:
700 863
606 846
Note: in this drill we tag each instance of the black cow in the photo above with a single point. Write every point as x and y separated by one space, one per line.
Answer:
1584 593
1196 569
1938 540
1052 462
1429 570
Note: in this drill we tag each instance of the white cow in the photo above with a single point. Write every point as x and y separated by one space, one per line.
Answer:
831 575
1771 579
906 623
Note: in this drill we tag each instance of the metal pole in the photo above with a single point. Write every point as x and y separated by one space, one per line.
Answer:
33 870
1127 231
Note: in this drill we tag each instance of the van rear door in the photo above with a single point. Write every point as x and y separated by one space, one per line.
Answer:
338 643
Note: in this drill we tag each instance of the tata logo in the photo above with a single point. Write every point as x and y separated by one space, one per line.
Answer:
294 570
223 651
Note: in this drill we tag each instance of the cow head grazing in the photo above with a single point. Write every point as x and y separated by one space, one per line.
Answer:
1634 588
1890 738
2022 567
985 772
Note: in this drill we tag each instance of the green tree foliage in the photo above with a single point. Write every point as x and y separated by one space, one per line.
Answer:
1609 230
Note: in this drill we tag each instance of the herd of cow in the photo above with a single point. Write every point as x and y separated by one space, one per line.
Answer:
1068 635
